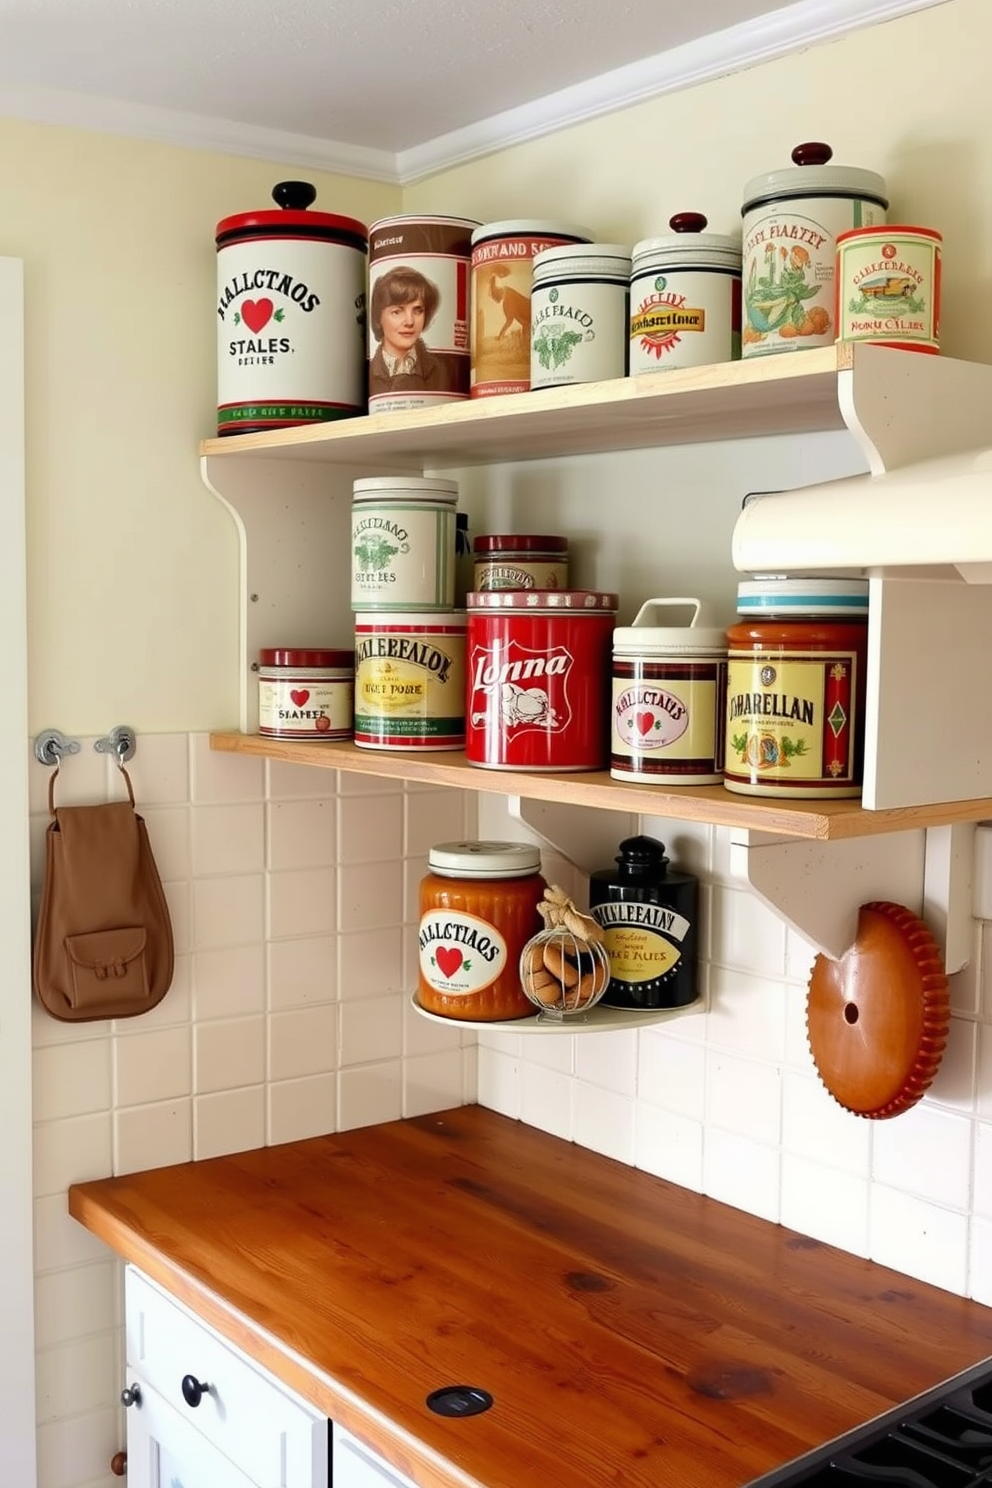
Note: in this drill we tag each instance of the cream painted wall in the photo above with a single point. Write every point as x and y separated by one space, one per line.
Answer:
132 564
909 99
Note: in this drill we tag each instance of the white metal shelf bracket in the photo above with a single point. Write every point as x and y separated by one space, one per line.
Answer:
903 407
586 839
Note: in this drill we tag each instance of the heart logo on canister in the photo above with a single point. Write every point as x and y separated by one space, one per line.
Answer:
449 958
645 722
300 695
256 313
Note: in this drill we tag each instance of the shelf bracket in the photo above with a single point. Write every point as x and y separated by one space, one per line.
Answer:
586 839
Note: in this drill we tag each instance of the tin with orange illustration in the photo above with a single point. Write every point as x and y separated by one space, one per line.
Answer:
888 287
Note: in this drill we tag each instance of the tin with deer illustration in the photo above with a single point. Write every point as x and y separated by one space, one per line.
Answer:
888 287
685 298
502 274
579 302
796 671
537 690
290 315
792 220
403 543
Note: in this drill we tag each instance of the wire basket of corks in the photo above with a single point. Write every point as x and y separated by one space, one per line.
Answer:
565 968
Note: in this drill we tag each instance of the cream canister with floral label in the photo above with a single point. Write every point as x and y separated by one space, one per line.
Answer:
403 542
888 287
685 298
578 314
792 219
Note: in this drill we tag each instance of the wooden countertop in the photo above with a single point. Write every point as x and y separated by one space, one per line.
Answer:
630 1331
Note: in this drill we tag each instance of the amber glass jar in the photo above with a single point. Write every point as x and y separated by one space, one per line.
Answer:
478 909
796 667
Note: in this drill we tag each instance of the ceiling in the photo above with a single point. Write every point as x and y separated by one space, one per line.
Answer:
382 76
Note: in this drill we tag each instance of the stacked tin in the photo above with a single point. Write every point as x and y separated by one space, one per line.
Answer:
409 638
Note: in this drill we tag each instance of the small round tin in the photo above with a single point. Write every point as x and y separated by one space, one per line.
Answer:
410 681
403 543
305 693
516 560
537 690
685 298
888 287
669 692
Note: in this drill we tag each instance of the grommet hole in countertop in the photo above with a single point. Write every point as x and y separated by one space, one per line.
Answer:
459 1400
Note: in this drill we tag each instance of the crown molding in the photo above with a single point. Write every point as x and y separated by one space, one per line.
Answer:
805 24
196 131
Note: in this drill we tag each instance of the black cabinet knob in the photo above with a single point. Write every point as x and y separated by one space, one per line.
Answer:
131 1395
193 1389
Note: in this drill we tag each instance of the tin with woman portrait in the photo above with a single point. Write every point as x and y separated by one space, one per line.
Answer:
418 312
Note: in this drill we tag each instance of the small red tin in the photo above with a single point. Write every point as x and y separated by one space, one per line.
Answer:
538 679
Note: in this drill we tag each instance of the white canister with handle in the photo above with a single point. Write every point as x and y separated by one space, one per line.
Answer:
669 686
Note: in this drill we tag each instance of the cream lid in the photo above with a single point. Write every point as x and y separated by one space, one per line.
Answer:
529 227
686 241
413 487
812 176
648 635
485 859
604 257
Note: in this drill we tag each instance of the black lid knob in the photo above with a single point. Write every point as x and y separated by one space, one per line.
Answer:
294 196
642 857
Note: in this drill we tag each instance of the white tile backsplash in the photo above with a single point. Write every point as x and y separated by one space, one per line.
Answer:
228 1121
301 903
302 1042
228 839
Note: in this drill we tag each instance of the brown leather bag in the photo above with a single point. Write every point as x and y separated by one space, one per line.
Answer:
103 944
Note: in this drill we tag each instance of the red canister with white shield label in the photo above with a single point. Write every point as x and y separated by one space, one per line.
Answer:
538 679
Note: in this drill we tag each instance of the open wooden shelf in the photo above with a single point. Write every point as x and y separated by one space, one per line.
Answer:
820 820
728 400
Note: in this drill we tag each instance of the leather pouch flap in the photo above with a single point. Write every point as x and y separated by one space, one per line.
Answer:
107 968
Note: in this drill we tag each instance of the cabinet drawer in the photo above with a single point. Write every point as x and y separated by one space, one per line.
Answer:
163 1449
277 1439
357 1466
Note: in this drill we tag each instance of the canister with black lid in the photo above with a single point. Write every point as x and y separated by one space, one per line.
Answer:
796 675
648 913
685 298
792 219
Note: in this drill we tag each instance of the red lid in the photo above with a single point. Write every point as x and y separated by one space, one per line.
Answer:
303 656
293 218
519 542
890 229
578 601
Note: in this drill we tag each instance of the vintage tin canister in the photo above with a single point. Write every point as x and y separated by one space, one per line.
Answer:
685 298
478 909
290 315
796 672
305 693
502 270
519 560
792 219
669 693
403 543
888 287
410 681
537 690
579 302
418 311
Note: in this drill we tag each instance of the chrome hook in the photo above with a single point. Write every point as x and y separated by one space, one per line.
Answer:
50 746
120 741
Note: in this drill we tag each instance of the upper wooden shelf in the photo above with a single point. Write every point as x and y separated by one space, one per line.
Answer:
820 820
729 400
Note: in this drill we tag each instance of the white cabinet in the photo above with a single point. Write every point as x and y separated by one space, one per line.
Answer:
356 1466
203 1415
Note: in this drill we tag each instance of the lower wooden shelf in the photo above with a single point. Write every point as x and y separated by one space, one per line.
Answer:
820 820
598 1019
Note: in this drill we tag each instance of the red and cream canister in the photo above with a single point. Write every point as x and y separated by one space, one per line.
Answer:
418 311
305 693
669 696
517 560
537 689
685 298
410 681
888 287
792 219
502 272
290 315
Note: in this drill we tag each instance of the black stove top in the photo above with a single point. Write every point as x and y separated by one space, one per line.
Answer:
941 1439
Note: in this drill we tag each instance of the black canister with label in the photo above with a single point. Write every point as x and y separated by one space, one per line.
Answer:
648 914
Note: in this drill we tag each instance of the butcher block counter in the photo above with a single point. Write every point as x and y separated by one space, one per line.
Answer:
630 1332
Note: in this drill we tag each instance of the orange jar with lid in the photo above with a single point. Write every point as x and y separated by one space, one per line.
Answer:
478 909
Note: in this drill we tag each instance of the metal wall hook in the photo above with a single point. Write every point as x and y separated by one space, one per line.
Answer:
120 741
50 746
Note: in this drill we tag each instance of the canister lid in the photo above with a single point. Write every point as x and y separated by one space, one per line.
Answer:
839 598
812 176
607 259
529 227
421 219
687 242
886 230
407 487
293 220
519 542
485 859
648 635
304 656
576 601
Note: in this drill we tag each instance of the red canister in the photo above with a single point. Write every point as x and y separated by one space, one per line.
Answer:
538 679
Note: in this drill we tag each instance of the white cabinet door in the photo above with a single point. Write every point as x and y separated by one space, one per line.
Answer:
357 1466
165 1451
